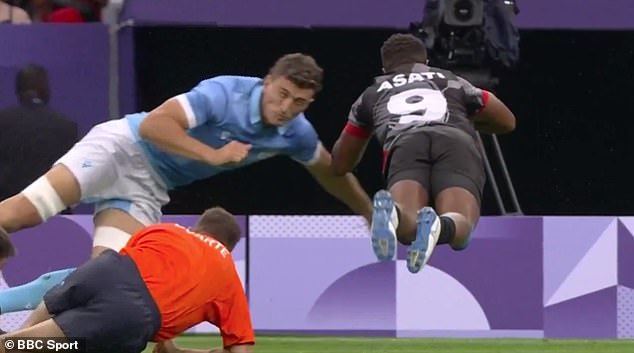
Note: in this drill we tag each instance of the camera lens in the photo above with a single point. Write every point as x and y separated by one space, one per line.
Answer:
463 10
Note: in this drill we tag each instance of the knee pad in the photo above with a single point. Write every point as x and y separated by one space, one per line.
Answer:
44 197
110 237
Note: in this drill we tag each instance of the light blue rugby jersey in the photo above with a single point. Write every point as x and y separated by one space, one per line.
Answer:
222 109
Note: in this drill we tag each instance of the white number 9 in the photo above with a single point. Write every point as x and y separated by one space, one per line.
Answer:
418 105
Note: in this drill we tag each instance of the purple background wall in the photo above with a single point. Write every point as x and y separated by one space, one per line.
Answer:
587 14
76 57
555 277
328 280
588 277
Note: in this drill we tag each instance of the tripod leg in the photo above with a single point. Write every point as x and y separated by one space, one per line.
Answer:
489 171
507 177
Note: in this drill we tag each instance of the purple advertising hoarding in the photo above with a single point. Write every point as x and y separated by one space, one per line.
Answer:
534 14
318 274
493 288
588 277
76 57
553 277
299 263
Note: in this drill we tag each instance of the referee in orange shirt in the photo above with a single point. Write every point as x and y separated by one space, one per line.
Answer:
167 279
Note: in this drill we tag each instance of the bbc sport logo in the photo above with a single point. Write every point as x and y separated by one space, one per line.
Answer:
58 345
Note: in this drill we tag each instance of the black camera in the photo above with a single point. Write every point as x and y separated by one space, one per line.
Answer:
470 37
463 13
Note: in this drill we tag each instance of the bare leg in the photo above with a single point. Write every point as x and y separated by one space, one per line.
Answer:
38 315
409 196
17 212
115 218
47 328
463 208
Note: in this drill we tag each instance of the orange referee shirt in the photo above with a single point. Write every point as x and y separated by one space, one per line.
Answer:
192 279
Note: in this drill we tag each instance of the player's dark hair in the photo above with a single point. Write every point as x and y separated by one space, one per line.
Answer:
216 222
300 69
31 85
6 247
401 49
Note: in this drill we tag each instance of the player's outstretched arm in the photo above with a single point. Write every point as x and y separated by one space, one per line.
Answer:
166 127
347 152
495 117
344 187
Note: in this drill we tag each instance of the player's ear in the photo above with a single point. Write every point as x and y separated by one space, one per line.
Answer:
268 79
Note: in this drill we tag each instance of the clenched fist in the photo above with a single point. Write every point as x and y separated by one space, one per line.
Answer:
233 152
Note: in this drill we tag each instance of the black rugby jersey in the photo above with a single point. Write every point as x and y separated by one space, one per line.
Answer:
412 97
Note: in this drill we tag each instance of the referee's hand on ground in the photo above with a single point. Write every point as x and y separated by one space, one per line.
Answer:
165 347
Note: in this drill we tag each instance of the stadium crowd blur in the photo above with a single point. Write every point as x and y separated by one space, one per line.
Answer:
50 11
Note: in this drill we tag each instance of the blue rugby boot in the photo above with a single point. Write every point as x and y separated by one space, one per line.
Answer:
384 224
427 234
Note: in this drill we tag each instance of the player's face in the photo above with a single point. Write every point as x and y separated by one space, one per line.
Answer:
282 100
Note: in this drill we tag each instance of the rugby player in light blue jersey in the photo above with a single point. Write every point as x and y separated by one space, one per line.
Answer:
126 166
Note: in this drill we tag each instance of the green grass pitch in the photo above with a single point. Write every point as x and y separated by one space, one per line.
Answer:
296 344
